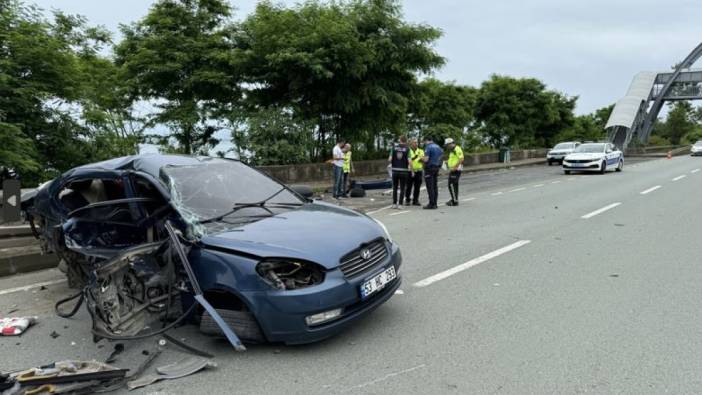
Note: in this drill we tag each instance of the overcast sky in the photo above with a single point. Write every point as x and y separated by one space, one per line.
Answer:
591 48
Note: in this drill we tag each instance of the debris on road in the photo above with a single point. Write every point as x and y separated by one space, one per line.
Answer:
15 326
63 377
176 370
54 335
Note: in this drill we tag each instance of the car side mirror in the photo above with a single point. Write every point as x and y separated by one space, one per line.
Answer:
303 190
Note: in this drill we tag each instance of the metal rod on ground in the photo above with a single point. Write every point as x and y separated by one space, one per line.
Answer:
228 332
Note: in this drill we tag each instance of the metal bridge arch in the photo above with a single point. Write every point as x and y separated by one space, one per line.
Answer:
634 115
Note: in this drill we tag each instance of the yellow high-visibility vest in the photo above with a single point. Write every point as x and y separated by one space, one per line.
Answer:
455 157
347 162
416 159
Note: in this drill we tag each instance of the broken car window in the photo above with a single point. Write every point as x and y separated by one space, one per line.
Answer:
214 187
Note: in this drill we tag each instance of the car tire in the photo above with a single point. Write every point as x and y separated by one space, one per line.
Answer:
567 172
603 167
620 166
243 323
550 163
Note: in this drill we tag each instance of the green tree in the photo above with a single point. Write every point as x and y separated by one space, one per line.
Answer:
589 127
180 56
40 83
680 122
349 66
273 136
444 110
521 112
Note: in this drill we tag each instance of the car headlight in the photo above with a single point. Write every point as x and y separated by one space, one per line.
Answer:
288 274
385 229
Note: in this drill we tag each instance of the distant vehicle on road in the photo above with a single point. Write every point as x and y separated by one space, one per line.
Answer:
599 157
696 148
557 153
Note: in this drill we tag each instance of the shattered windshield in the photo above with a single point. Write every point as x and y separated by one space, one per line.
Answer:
212 188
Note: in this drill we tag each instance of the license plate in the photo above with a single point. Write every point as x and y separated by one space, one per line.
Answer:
577 164
378 282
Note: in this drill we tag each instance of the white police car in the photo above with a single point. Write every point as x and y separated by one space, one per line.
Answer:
598 157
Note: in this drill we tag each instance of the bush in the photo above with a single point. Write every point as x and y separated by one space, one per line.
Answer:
658 141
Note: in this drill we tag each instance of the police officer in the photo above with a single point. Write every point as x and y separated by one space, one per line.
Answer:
455 165
417 174
399 160
433 155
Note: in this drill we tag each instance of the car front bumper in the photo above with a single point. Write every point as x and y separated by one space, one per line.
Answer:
281 314
590 166
555 157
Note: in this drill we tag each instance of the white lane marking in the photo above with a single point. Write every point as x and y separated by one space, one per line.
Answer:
649 190
678 178
695 171
467 199
399 292
555 182
399 212
600 211
32 286
467 265
387 376
518 189
378 210
571 179
538 186
497 193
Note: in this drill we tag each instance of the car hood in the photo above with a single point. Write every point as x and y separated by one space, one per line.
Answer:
316 232
585 156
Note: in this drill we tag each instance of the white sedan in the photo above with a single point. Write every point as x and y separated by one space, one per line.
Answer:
598 157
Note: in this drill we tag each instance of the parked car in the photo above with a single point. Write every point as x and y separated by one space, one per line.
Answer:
276 265
557 153
696 148
599 157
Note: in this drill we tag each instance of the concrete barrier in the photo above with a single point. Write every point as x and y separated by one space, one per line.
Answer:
315 172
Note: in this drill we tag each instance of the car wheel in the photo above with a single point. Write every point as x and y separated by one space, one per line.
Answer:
550 163
603 167
621 165
243 323
567 172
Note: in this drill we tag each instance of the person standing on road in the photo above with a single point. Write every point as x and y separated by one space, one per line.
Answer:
455 165
415 180
400 163
338 165
433 155
348 167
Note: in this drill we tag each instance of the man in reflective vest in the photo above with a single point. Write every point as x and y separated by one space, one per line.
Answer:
417 174
348 167
455 165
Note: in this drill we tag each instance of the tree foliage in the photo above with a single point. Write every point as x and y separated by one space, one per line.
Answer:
521 112
180 56
350 66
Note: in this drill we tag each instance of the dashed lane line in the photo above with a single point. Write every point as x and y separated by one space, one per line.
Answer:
678 178
649 190
517 190
467 265
601 210
695 171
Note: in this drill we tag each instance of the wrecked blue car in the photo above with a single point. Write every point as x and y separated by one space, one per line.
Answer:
153 240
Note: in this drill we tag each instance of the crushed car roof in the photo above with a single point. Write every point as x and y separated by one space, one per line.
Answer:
147 163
